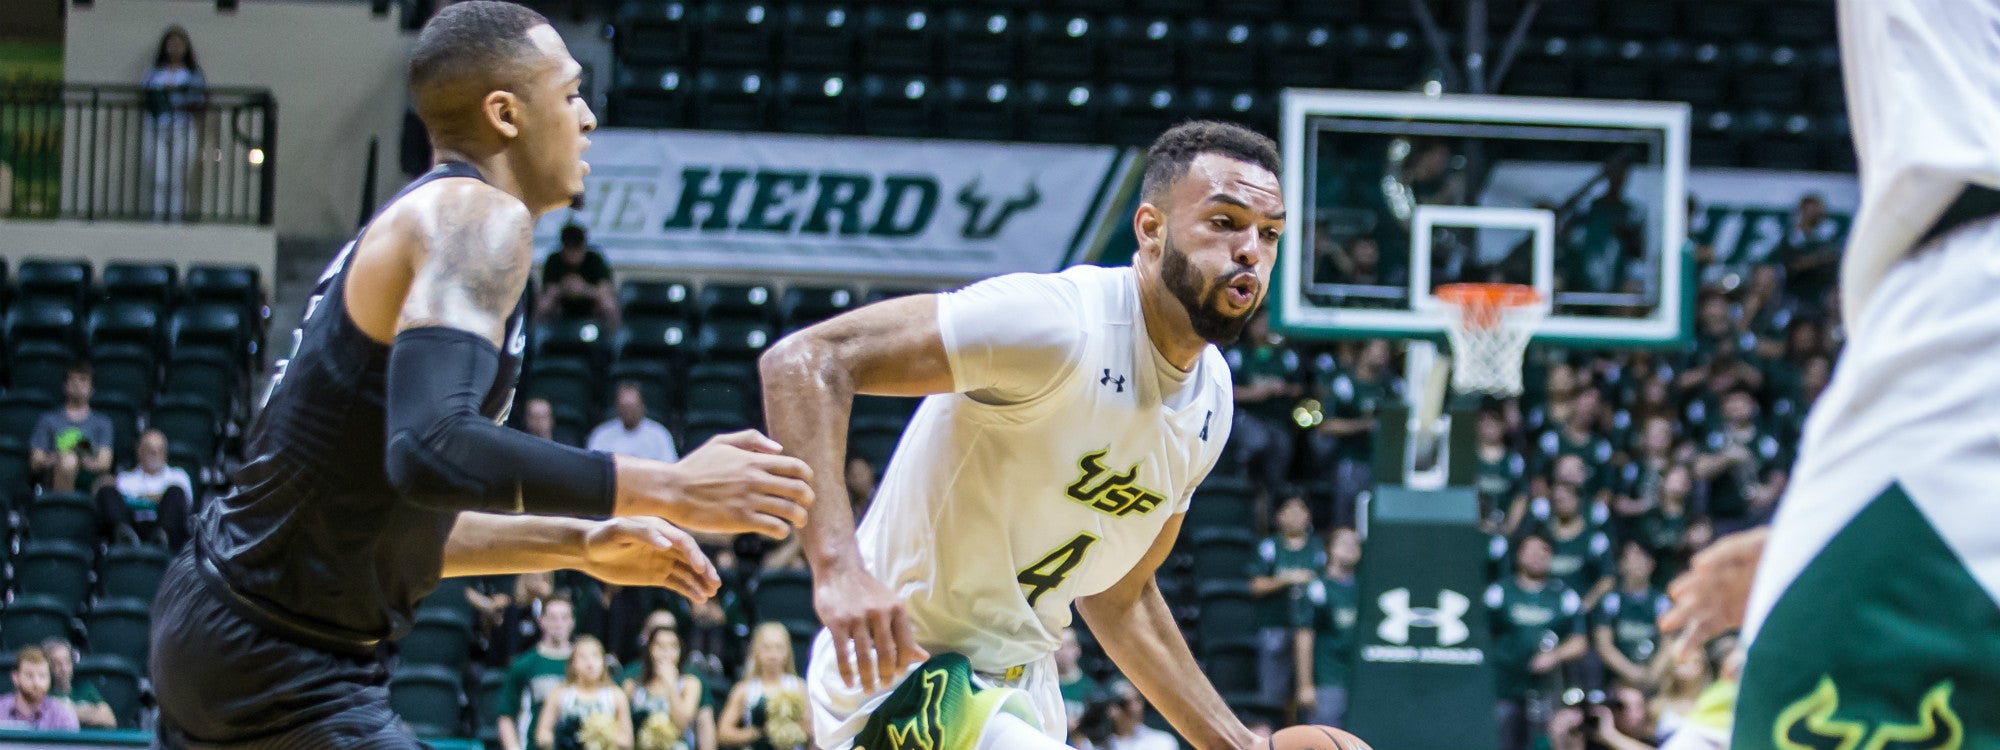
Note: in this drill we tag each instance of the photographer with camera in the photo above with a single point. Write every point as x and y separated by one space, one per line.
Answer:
1597 720
71 445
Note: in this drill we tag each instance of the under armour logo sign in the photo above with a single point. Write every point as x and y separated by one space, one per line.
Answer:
1119 381
1448 617
1204 424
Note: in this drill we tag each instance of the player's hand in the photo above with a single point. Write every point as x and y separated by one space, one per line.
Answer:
873 641
1710 597
647 551
733 484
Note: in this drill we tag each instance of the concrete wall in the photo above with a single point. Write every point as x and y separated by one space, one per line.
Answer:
336 72
105 242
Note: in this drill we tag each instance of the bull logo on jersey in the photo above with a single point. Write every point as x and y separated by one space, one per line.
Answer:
1809 724
1112 493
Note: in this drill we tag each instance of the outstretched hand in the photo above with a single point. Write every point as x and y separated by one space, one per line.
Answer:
733 484
1709 599
646 551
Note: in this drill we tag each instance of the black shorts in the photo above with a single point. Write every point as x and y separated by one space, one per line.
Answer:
224 681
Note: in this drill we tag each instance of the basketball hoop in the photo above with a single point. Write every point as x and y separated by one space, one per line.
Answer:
1489 333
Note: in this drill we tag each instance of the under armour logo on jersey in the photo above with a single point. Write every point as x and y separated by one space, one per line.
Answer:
1119 381
1448 617
1204 424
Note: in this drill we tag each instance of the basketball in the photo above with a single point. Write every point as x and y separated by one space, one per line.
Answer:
1315 738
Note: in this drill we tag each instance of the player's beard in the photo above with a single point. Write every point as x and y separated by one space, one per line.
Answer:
1204 310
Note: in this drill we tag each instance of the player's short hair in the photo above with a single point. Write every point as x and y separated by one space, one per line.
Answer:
1168 158
30 655
466 51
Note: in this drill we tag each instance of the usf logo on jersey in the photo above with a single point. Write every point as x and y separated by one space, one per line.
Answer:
1809 724
1108 492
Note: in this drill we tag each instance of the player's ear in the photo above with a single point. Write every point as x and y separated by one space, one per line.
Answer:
502 110
1149 225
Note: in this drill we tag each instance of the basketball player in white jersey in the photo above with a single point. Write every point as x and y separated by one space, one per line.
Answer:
1070 417
1872 620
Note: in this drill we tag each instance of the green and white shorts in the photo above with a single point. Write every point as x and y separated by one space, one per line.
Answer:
1873 621
941 704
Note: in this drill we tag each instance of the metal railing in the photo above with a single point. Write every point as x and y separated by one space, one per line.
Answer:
100 152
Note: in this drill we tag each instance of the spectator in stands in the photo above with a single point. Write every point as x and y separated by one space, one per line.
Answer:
1624 630
1270 379
1326 641
1615 719
1286 562
538 418
1682 674
1527 669
1581 553
1743 464
1500 476
1663 528
576 281
149 503
1608 233
588 710
29 707
767 709
71 445
176 92
1076 684
519 627
1578 434
670 708
1127 712
83 698
1811 252
630 432
1345 440
533 677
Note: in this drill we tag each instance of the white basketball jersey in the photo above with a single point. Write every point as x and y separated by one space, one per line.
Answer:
1052 470
1923 95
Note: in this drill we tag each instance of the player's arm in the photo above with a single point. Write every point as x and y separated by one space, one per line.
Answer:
810 380
640 551
1152 654
469 260
1302 664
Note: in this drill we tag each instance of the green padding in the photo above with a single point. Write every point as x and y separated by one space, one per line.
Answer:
1451 505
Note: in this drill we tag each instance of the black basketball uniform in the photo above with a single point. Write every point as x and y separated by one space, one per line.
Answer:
270 630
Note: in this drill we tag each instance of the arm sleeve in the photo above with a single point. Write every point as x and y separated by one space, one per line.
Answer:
1012 338
443 454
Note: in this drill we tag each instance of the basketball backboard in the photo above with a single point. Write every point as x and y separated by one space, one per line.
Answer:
1396 194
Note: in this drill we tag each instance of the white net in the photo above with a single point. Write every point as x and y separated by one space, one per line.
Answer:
1488 334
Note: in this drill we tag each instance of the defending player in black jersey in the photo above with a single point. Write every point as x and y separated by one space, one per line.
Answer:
378 465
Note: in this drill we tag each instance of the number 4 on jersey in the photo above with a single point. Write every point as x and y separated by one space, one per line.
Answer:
1050 571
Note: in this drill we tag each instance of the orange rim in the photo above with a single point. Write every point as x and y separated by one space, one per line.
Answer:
1479 304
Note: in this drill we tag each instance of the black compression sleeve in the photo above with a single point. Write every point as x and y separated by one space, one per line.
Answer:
443 454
